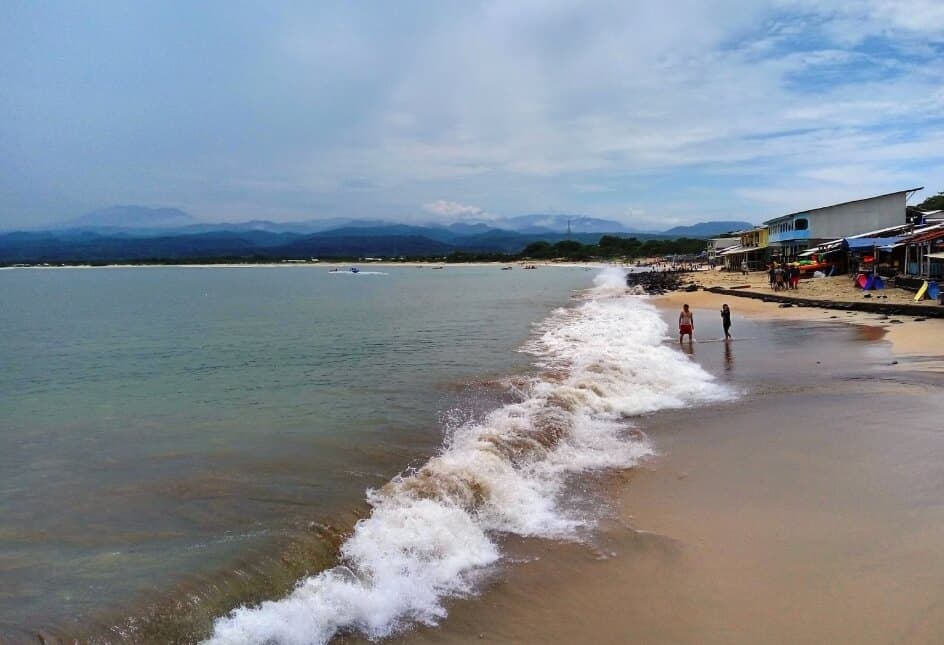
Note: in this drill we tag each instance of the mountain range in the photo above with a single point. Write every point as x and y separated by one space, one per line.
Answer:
708 229
137 233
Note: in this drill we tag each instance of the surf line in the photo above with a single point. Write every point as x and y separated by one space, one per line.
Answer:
432 530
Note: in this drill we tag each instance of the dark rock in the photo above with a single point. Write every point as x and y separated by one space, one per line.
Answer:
657 282
920 319
785 305
895 322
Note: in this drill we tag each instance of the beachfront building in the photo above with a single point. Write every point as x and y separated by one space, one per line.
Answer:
789 235
752 248
718 244
924 253
892 246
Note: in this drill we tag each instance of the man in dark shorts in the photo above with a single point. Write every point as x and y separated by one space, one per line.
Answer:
726 321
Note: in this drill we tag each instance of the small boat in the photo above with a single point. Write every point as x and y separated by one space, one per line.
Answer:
506 268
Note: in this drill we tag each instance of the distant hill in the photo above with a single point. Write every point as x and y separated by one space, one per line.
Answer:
558 224
132 217
461 228
393 230
389 246
93 247
136 233
707 229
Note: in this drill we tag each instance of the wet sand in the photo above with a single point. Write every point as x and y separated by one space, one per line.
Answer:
810 511
916 343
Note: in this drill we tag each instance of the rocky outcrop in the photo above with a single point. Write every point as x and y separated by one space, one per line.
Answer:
659 282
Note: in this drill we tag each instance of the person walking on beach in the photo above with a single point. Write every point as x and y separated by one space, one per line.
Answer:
771 274
686 324
744 267
726 321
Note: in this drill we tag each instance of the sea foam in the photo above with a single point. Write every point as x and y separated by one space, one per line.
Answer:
433 529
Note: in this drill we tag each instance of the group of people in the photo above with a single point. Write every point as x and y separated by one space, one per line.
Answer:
687 323
784 276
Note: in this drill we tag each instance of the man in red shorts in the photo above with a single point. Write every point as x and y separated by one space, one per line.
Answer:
686 323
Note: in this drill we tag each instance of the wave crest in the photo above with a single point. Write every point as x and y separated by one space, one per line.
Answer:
431 531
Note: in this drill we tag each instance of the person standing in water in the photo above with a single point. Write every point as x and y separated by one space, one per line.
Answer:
686 324
726 321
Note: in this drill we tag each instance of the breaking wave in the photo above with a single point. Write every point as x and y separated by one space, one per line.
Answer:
432 530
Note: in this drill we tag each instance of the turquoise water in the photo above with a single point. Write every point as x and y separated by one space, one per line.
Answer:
156 423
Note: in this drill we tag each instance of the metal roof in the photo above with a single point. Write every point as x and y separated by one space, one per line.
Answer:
834 245
851 201
927 237
853 243
737 250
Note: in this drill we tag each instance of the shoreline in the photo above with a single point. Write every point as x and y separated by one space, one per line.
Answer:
909 338
801 513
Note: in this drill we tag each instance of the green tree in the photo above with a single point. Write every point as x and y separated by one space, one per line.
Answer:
569 249
540 249
933 203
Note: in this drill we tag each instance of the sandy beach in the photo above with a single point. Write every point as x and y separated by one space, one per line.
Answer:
807 512
837 288
917 344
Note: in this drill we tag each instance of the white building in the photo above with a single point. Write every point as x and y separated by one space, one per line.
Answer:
718 244
792 233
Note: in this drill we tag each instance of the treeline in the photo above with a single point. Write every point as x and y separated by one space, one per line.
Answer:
611 246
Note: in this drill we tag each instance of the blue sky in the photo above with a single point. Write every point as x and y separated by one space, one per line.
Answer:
650 113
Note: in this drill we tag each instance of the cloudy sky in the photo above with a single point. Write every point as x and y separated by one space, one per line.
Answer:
650 113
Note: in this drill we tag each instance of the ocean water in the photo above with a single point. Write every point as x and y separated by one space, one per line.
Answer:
166 431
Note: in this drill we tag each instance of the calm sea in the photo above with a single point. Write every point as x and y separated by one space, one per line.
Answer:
158 425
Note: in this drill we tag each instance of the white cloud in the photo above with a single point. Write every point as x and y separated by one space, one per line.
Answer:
534 107
451 209
681 108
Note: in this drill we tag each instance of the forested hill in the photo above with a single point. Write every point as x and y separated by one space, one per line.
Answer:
254 246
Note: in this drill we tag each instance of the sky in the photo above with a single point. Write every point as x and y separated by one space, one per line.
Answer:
649 113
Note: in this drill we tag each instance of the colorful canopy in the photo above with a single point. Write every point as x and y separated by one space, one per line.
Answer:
865 243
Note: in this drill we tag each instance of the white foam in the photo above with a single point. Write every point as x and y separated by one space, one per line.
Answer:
432 530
